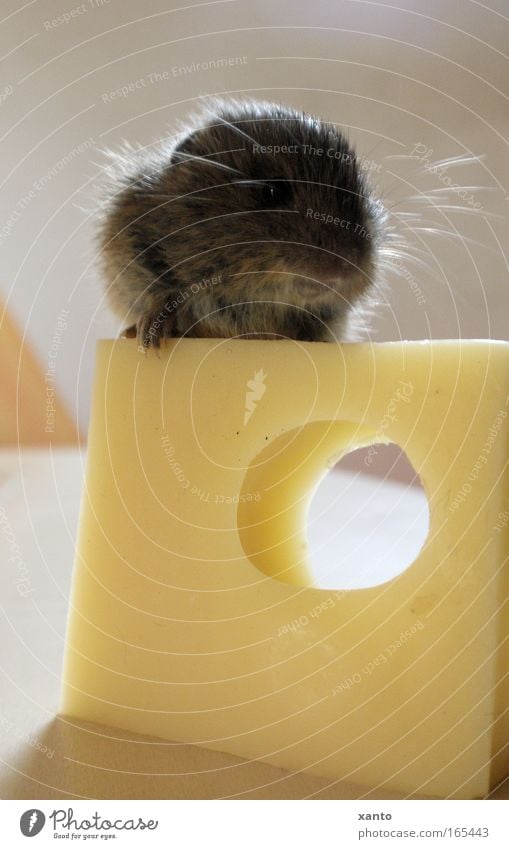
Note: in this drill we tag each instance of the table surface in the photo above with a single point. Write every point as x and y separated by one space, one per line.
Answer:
45 756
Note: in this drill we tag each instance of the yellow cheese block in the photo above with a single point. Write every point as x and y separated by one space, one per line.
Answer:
193 616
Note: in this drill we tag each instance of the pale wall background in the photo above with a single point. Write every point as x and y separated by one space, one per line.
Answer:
396 75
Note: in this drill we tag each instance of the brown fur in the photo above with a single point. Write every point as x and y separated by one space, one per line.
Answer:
207 236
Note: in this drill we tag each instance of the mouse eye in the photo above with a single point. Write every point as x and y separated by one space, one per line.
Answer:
276 192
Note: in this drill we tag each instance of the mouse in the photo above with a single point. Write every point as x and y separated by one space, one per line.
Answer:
255 220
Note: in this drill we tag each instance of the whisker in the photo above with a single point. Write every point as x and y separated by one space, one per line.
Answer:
203 159
409 258
453 207
191 197
250 182
429 168
411 223
424 225
463 188
405 214
460 159
399 156
436 231
398 203
390 269
235 129
200 194
409 250
386 194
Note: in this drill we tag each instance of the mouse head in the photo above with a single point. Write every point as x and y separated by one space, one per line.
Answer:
268 201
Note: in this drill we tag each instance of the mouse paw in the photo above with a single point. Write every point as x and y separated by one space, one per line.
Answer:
154 327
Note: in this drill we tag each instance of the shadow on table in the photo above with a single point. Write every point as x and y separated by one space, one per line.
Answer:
67 759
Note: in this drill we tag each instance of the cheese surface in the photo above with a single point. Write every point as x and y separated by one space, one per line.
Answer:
193 616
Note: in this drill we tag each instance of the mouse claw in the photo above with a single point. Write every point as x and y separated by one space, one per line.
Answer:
155 326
